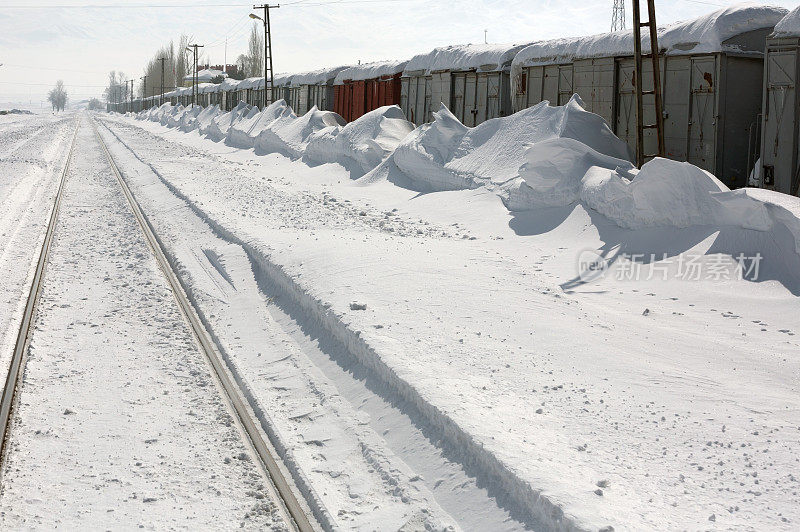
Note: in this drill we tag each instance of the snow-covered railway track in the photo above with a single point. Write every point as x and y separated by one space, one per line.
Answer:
17 364
296 512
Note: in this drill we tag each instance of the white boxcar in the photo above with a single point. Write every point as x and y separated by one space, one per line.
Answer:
471 80
780 148
711 72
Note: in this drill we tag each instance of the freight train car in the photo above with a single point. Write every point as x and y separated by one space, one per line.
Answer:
780 147
711 72
360 89
307 89
471 80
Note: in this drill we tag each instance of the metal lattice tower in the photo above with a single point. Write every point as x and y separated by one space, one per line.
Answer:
618 16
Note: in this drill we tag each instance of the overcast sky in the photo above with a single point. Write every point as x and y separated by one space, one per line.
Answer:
41 42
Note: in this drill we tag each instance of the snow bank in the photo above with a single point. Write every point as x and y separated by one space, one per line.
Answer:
705 34
221 124
481 57
446 155
317 136
290 134
370 71
244 131
206 117
548 156
367 141
788 26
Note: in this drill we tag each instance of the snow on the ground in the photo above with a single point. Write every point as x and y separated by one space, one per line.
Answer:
32 154
119 421
351 479
595 362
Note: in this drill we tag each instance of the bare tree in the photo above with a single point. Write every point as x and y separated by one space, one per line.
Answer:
117 89
58 96
182 61
255 51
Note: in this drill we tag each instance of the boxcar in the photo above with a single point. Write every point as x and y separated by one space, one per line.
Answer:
359 89
471 80
307 89
781 106
711 71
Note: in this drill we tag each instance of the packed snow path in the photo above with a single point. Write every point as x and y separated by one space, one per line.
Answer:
119 422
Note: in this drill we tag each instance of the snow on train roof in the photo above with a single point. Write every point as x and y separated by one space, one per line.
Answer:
705 34
481 57
789 26
370 71
316 77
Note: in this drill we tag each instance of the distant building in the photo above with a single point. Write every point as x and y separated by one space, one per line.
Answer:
203 76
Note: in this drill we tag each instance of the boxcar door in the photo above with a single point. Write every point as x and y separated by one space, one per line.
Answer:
676 106
425 101
564 84
458 95
404 86
493 97
470 99
625 124
703 120
535 81
481 98
550 84
412 101
780 119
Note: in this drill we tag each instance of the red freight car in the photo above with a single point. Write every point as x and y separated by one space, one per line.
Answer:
362 88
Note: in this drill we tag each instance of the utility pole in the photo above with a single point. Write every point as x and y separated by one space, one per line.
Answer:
639 81
144 88
618 15
485 36
161 98
268 72
194 48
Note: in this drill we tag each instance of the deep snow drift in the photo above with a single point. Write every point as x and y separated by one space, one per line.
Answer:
541 156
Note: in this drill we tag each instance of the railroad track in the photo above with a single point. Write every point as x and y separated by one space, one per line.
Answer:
17 365
294 510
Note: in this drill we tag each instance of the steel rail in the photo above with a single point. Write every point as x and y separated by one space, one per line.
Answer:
246 419
17 365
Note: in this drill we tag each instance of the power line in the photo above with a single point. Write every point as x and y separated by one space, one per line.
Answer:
51 84
55 69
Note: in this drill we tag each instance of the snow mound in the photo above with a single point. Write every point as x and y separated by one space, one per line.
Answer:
206 118
290 134
188 119
220 126
367 141
446 155
789 26
244 131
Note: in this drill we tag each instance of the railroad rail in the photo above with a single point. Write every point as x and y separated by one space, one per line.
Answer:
295 513
18 358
